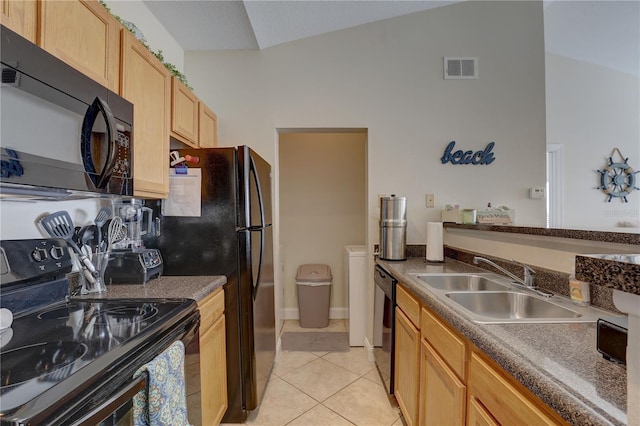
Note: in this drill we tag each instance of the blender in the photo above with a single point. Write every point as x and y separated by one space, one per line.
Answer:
130 262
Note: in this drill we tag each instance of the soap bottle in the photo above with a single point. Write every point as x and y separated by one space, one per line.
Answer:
579 290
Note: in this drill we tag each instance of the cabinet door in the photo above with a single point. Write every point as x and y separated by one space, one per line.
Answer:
409 304
83 34
208 127
213 373
442 394
503 400
407 367
146 83
478 416
450 346
184 113
20 16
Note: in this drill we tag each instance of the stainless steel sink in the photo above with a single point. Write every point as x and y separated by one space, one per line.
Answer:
489 298
462 282
511 306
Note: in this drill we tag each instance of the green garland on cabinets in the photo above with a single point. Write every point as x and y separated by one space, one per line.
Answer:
169 66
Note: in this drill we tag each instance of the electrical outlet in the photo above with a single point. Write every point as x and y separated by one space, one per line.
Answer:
430 200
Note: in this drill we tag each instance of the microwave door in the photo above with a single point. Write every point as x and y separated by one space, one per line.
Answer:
98 143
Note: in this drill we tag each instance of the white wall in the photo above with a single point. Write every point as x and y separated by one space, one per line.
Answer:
591 110
322 207
387 77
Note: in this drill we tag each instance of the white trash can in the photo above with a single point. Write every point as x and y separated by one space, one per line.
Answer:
314 295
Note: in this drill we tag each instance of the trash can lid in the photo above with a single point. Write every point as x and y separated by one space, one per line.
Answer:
314 273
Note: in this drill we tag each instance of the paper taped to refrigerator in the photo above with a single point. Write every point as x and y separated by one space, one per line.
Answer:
184 194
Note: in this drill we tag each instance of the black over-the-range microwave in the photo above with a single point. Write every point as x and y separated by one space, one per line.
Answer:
61 133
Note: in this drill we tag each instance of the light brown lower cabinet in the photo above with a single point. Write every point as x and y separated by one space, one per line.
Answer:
213 373
502 398
407 367
208 404
444 379
478 415
442 394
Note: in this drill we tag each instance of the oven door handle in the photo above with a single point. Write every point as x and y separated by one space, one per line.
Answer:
102 411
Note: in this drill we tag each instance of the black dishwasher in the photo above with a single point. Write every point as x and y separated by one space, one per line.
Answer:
384 327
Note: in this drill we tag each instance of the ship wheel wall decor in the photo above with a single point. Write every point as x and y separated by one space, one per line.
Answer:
617 179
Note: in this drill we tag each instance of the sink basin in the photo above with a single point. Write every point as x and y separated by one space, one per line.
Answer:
461 282
507 305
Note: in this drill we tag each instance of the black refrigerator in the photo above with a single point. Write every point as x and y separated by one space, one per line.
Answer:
232 236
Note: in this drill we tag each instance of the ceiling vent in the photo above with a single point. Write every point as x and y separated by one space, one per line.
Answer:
460 68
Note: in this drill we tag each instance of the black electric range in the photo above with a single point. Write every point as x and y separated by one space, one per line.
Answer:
62 357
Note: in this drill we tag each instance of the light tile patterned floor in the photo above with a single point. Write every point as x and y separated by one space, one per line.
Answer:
324 389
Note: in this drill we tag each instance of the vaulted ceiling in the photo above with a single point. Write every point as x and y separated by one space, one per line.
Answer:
604 32
222 24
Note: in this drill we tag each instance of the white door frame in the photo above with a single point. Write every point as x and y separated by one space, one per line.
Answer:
555 185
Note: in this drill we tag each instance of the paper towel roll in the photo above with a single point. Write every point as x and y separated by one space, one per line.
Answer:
435 248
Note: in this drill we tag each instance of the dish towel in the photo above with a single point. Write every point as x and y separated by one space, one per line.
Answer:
163 402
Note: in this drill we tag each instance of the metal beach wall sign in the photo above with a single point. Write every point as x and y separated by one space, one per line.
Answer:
484 156
617 179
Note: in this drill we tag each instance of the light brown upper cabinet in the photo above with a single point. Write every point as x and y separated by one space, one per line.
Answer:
208 127
84 35
192 122
146 83
184 113
20 16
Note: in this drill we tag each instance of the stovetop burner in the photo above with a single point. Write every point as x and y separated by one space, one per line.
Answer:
132 314
50 362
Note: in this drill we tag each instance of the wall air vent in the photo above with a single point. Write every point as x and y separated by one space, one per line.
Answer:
460 68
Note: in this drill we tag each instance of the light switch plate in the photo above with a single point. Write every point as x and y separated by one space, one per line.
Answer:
536 193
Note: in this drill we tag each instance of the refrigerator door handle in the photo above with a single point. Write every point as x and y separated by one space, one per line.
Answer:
256 285
254 172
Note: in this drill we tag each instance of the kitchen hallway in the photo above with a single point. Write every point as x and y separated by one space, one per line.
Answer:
324 388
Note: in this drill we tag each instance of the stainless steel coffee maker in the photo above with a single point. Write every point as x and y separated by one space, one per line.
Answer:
393 228
130 262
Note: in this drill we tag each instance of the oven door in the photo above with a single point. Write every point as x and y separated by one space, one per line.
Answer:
117 410
384 326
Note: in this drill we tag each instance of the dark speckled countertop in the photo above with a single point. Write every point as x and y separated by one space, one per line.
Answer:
189 287
557 362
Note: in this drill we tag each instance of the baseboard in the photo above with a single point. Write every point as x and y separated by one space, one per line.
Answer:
369 348
334 313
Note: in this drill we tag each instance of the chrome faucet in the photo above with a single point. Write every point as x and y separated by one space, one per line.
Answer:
529 275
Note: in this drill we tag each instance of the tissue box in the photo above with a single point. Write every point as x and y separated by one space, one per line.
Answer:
451 214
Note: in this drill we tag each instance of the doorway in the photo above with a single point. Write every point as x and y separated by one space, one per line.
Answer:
322 181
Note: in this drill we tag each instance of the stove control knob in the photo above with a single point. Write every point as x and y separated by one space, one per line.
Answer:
39 254
57 252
